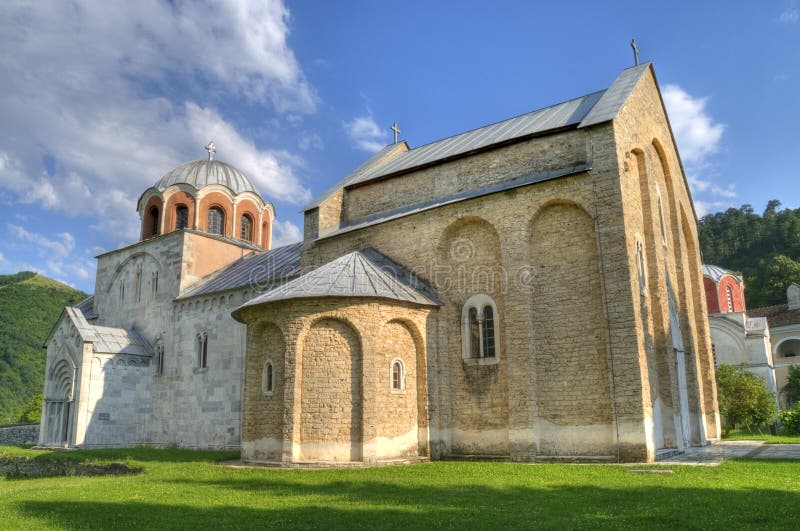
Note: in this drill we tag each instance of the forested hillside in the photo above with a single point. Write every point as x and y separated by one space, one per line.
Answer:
29 307
764 248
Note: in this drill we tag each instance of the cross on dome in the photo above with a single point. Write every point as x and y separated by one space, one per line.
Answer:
211 148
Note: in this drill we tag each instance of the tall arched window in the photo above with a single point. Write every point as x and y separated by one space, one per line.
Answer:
202 350
247 228
216 221
729 294
153 220
479 323
398 376
661 221
138 284
268 378
181 217
160 357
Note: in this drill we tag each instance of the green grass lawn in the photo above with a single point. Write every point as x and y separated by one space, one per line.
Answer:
185 489
745 435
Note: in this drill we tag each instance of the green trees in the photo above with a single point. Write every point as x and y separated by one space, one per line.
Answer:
29 307
792 388
743 399
33 411
765 249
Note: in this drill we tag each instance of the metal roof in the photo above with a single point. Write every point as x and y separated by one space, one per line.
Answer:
358 274
262 269
109 340
615 97
358 172
716 273
584 111
200 173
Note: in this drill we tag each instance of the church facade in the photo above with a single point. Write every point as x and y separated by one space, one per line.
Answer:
528 290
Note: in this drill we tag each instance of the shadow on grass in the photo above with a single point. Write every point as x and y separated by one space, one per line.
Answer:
282 503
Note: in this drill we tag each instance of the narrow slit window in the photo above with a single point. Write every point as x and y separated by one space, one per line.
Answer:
474 334
397 376
488 332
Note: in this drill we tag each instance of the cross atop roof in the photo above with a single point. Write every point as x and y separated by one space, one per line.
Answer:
211 148
396 131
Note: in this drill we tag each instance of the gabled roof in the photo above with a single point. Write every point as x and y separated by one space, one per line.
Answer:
358 274
262 269
107 339
584 111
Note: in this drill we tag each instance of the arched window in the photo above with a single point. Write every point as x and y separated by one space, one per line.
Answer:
202 350
247 228
160 357
268 378
729 294
153 220
479 323
181 217
640 268
138 284
154 282
661 218
398 376
216 221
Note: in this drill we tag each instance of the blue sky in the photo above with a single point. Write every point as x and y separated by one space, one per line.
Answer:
102 98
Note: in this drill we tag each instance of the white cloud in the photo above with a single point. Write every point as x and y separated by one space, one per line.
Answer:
365 133
705 207
695 131
57 252
285 232
2 258
116 94
271 171
790 16
60 247
698 137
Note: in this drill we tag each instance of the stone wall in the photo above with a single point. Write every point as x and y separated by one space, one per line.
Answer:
337 402
19 434
517 160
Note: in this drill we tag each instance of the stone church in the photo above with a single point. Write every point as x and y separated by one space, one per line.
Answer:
529 290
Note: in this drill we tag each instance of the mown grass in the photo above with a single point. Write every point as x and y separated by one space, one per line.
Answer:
187 490
744 434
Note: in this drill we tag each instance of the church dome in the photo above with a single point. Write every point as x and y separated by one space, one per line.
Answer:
200 173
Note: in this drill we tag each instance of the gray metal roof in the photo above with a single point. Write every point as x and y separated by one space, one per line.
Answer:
109 340
200 173
259 270
358 274
584 111
358 172
568 113
615 97
716 273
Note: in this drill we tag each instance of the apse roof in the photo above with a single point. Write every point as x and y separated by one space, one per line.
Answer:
364 273
590 109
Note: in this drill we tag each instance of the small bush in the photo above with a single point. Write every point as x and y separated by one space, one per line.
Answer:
790 419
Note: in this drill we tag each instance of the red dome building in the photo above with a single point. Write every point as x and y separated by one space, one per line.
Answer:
724 290
209 196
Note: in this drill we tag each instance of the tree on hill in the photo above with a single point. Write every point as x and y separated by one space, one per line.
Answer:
765 249
30 304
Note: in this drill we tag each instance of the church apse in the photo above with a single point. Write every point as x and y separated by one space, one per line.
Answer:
331 393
